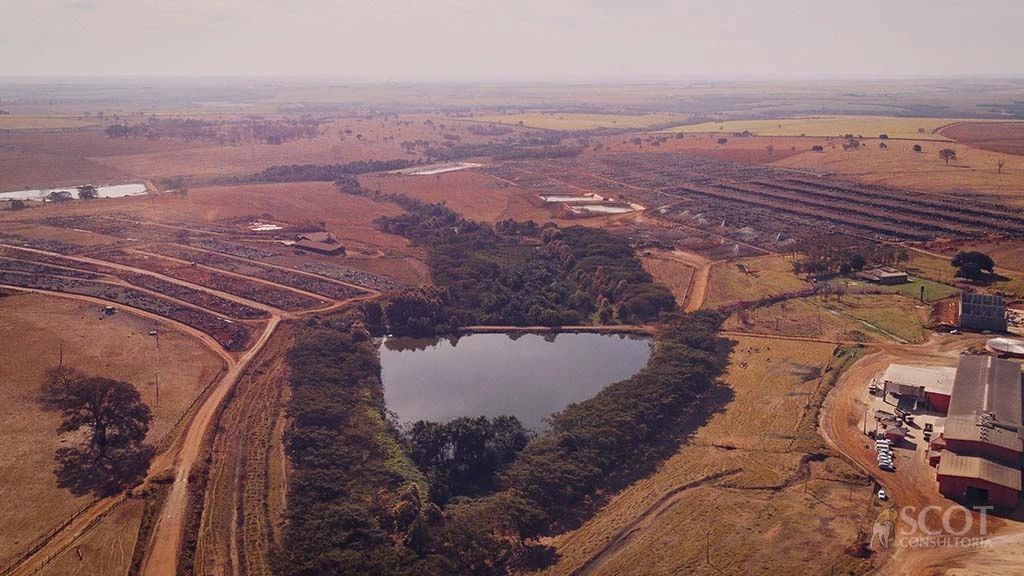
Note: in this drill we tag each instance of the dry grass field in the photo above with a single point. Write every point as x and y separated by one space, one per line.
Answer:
752 149
39 158
473 194
801 318
107 549
675 275
768 276
974 172
741 478
894 316
830 126
25 122
33 327
1005 137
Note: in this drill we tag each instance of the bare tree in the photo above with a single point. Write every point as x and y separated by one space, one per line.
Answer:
947 154
58 384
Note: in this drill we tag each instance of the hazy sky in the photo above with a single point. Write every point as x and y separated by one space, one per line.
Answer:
511 39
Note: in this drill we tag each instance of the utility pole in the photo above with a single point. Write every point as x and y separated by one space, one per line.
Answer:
60 357
156 401
707 556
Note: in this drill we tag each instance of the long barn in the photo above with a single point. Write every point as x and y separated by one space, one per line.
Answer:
984 433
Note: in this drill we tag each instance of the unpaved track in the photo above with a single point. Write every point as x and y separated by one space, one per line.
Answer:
162 558
645 520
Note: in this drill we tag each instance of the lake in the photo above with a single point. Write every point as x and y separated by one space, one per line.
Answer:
529 376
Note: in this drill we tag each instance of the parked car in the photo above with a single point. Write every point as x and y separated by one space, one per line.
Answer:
882 495
928 427
887 467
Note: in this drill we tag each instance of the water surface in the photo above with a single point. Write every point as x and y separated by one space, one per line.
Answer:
529 376
114 191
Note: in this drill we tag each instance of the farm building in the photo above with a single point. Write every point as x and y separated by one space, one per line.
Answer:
896 434
978 479
884 275
320 242
984 433
931 385
982 312
320 247
1006 347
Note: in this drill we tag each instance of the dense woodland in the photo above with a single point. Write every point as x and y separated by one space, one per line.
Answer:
572 276
356 503
325 172
223 132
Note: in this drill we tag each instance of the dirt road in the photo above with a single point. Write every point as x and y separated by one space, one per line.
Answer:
698 289
162 557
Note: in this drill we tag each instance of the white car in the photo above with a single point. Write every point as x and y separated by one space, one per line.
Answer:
882 495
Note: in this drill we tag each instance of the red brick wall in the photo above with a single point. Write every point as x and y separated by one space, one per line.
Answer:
956 487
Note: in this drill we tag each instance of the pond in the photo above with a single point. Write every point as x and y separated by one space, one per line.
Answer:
114 191
529 376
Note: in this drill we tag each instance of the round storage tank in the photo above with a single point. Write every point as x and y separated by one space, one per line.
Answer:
1006 347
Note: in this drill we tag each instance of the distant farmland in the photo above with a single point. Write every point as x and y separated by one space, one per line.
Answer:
560 121
18 122
834 126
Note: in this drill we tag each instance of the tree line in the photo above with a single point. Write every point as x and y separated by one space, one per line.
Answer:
323 172
577 275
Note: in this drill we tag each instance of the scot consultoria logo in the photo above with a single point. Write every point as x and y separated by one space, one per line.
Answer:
932 527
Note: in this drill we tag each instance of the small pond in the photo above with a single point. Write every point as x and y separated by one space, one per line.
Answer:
529 376
114 191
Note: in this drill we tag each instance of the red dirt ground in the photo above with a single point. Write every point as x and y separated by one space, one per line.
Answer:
1006 137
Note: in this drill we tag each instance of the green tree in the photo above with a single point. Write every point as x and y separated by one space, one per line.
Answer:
58 197
88 192
972 265
947 154
111 421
